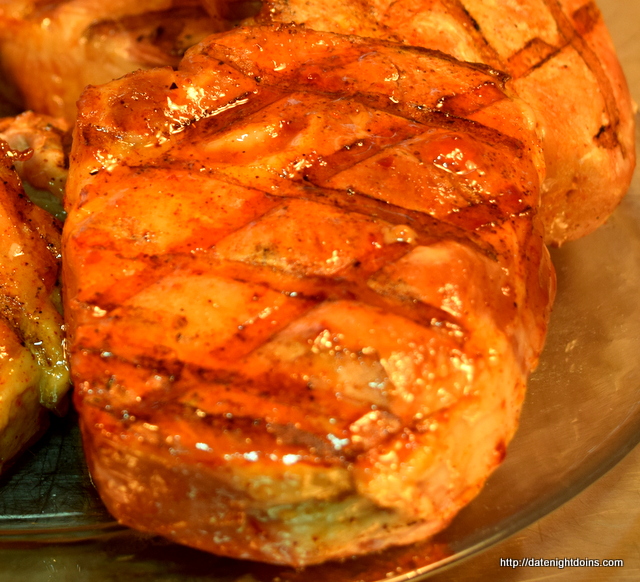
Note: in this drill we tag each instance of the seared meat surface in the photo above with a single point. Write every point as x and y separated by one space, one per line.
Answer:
305 283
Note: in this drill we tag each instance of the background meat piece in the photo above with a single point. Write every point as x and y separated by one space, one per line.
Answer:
49 51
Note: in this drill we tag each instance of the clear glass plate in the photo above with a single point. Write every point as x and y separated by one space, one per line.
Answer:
581 416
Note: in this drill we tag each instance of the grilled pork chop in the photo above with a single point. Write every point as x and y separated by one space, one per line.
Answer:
34 376
561 62
305 283
49 51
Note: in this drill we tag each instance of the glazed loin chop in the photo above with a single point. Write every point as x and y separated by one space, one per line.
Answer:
303 294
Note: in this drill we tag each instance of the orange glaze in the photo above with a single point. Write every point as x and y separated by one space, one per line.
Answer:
303 296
